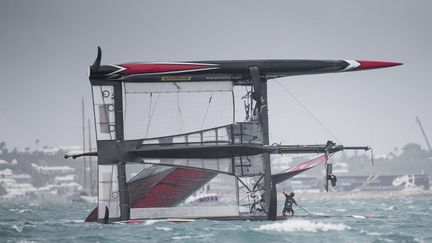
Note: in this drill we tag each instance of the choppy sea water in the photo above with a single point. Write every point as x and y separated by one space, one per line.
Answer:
367 220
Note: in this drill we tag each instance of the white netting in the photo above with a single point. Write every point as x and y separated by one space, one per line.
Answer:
108 191
153 110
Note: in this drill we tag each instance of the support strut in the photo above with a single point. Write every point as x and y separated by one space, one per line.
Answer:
121 167
260 96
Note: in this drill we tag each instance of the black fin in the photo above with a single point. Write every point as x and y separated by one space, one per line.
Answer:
97 62
106 216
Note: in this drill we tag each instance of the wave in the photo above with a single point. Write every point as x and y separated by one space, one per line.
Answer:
391 208
371 233
26 210
340 210
150 222
181 237
302 225
18 228
164 228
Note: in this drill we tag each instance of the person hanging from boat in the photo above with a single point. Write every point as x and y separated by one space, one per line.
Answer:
257 205
289 201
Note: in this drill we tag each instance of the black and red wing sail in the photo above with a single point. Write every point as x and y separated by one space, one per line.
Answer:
174 188
163 187
235 71
300 168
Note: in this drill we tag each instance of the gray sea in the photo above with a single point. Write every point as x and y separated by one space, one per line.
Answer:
367 220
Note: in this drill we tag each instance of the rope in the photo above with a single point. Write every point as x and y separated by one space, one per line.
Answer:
179 113
149 115
303 209
308 111
207 109
152 113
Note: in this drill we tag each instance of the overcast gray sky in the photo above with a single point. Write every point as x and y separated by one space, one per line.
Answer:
46 46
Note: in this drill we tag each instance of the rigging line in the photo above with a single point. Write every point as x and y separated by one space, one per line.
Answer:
148 116
207 109
154 107
309 112
179 112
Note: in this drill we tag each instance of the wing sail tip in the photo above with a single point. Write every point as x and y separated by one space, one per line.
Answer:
376 64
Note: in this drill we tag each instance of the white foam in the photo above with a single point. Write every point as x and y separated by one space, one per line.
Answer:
371 233
418 240
75 221
164 228
302 225
150 222
18 228
390 208
181 237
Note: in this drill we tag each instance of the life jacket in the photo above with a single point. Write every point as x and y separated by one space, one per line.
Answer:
289 201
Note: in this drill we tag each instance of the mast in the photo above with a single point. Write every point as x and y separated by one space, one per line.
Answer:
83 143
90 158
424 134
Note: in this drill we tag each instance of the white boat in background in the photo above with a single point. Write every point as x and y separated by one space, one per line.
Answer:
203 198
84 197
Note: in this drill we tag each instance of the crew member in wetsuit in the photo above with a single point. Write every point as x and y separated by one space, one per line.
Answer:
289 201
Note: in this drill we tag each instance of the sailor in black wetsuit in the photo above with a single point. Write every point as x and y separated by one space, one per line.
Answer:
289 201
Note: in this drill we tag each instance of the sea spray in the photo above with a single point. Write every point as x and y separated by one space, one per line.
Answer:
301 225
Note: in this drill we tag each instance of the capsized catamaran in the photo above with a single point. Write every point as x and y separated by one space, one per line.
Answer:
174 166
